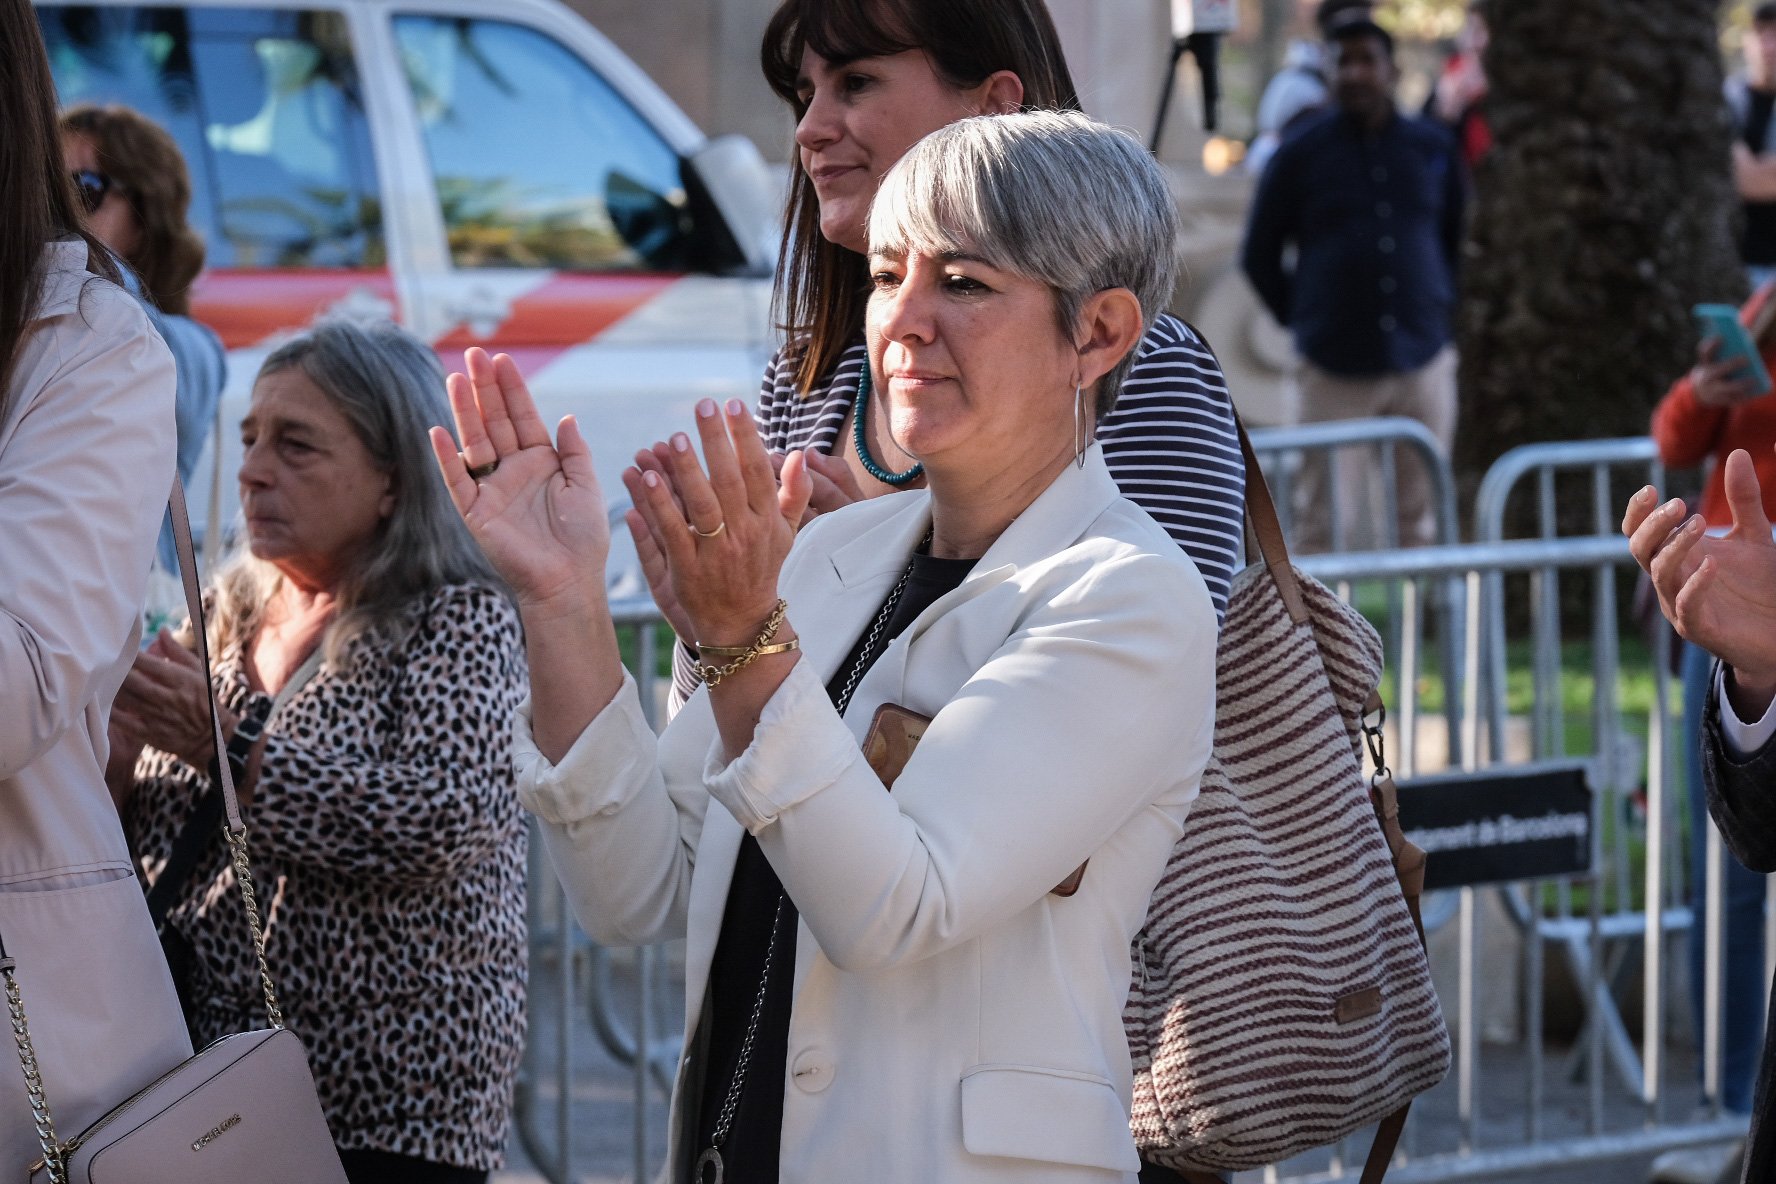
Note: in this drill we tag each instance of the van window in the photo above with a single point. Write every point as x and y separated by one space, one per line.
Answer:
538 161
265 105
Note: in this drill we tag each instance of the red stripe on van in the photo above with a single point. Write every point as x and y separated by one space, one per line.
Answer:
245 307
564 311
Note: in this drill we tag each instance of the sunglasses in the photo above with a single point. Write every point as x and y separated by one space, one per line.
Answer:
93 187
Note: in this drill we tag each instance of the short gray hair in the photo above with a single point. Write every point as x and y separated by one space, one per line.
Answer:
390 387
1054 196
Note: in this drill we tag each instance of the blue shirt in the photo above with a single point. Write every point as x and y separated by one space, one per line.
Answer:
1375 220
202 368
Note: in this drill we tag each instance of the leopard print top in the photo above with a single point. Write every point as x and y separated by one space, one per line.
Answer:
389 852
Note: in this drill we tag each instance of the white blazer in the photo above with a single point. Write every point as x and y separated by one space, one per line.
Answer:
952 1020
86 462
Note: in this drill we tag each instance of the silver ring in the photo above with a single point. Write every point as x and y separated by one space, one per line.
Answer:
480 471
708 534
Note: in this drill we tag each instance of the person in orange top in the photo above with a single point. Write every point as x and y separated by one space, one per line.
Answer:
1707 413
1712 410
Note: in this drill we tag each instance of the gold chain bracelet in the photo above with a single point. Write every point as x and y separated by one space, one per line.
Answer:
745 655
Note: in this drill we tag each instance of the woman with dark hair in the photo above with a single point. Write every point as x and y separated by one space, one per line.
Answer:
86 462
136 191
867 79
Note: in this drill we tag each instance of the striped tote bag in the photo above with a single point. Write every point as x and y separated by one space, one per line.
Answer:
1281 996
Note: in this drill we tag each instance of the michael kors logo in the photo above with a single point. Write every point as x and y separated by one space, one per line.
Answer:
228 1124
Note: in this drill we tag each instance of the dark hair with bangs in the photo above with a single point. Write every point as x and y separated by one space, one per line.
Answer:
822 288
37 202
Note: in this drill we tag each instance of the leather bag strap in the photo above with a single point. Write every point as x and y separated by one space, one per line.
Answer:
236 830
199 627
1267 529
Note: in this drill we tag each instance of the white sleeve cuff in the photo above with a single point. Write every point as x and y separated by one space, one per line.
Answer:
607 762
800 747
1742 739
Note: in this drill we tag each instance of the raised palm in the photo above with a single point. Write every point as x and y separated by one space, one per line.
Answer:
540 516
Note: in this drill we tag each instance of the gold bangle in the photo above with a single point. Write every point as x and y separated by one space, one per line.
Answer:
746 655
737 651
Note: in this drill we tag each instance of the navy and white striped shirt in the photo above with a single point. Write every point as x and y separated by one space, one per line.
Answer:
1170 444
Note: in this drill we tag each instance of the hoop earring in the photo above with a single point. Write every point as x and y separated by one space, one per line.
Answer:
1081 432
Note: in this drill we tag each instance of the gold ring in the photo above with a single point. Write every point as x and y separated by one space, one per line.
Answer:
708 534
480 471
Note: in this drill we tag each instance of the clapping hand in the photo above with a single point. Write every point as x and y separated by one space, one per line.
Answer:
164 702
533 505
1718 592
714 541
831 484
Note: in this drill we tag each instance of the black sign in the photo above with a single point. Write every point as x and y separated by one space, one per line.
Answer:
1525 822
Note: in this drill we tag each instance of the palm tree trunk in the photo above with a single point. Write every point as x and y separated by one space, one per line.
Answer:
1604 212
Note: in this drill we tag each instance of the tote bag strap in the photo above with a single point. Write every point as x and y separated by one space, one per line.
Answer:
1267 529
1261 514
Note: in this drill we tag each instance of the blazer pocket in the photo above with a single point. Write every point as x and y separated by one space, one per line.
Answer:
1047 1115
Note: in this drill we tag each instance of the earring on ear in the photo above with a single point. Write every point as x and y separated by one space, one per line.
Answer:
1082 433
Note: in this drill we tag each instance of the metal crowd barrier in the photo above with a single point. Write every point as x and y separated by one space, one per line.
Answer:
1637 1116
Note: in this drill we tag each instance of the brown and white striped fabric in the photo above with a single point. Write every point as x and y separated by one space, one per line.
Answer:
1282 998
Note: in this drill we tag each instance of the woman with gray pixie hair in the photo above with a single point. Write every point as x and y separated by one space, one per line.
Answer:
945 738
368 665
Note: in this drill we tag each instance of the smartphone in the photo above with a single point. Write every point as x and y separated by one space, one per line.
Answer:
1721 322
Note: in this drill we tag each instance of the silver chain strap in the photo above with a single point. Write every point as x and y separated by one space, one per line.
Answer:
711 1158
243 875
843 699
731 1103
21 1035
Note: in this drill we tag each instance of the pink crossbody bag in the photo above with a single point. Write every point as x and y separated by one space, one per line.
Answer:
244 1108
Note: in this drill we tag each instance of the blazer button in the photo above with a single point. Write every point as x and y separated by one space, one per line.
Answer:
812 1071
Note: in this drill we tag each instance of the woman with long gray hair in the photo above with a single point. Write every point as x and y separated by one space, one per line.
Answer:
368 663
945 738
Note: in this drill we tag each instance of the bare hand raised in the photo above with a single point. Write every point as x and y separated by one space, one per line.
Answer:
724 533
1718 592
539 514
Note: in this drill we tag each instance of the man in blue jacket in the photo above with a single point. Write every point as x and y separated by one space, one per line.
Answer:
1370 200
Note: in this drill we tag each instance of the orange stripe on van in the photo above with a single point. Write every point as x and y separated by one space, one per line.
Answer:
245 307
564 311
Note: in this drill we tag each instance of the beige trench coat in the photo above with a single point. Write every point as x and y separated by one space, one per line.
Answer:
86 460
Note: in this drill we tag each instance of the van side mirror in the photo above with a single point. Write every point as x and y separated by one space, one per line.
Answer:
735 180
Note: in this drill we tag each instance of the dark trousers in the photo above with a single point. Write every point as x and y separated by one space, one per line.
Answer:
379 1167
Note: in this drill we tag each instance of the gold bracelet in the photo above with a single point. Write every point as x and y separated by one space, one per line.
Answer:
745 655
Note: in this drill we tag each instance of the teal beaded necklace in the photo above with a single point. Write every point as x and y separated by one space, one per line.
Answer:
858 407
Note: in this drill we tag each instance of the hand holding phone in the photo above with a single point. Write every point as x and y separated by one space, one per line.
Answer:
1729 369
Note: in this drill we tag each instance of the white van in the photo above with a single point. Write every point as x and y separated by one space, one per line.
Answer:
488 172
